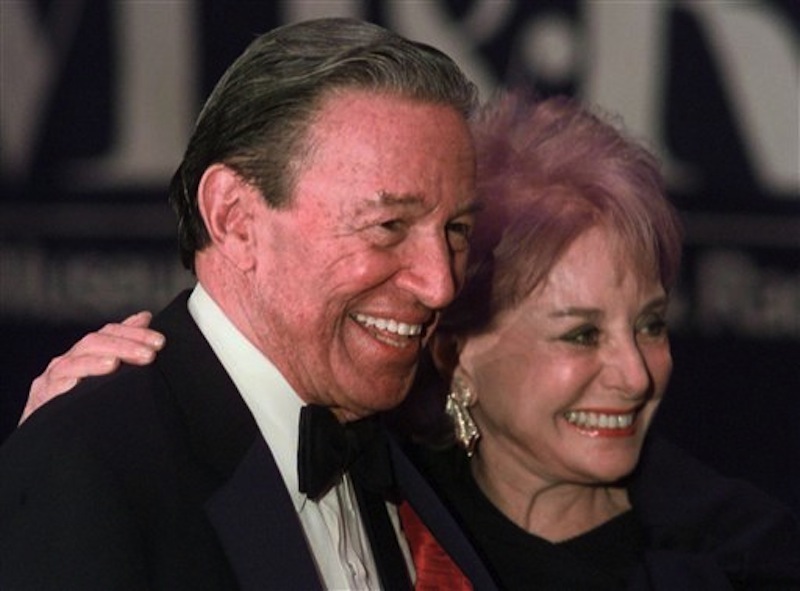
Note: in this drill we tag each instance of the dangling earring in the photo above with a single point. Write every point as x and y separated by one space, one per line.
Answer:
459 400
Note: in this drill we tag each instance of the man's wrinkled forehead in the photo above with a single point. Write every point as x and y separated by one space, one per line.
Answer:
411 204
382 200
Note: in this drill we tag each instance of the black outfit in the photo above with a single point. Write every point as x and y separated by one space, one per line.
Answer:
157 477
689 529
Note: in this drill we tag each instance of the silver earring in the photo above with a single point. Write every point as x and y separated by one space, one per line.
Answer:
459 400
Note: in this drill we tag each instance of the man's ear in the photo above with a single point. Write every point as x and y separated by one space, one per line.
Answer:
226 203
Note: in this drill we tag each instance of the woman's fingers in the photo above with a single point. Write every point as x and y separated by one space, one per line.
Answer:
97 353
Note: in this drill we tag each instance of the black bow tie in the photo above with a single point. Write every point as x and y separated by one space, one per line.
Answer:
327 448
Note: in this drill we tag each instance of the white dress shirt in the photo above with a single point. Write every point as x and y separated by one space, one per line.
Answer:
332 525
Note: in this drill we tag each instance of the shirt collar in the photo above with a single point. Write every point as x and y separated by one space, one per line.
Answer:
272 401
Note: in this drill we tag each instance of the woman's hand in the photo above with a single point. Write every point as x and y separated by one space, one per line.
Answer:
97 353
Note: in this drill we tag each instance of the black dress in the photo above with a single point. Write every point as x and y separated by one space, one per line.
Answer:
690 528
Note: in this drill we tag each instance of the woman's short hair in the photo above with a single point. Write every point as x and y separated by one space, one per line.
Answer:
548 170
255 120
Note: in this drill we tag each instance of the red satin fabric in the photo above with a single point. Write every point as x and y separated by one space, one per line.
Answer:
435 569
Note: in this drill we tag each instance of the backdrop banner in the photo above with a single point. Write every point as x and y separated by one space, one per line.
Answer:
97 100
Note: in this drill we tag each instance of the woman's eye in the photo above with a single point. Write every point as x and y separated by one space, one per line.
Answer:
653 326
585 336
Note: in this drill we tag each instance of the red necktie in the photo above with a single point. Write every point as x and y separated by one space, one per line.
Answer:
435 569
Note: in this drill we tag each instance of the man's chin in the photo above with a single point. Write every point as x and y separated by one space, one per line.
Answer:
374 400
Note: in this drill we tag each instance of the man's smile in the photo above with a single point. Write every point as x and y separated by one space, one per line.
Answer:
389 330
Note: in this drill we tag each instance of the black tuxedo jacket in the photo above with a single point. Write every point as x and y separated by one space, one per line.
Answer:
157 478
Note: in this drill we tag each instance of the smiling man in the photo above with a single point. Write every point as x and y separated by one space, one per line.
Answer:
324 202
373 244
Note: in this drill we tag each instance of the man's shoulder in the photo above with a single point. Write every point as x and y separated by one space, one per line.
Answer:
98 414
116 403
130 389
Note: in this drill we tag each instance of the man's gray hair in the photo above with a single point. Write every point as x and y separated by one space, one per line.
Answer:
255 120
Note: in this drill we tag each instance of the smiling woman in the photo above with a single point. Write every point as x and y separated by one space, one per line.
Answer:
557 355
587 347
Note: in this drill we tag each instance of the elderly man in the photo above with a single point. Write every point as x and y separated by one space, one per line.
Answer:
324 202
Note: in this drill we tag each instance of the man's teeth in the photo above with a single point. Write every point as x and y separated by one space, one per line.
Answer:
389 325
599 420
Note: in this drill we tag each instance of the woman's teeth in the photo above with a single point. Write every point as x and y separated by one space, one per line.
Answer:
599 420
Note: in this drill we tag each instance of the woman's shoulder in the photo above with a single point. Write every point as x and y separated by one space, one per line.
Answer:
671 483
687 507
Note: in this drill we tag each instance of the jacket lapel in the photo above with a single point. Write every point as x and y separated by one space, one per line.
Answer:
259 528
251 510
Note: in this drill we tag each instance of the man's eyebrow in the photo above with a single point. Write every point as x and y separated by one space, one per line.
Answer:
387 199
411 201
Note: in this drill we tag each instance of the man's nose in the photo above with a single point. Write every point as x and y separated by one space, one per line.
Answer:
430 273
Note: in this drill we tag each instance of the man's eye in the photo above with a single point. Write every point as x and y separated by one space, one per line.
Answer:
586 336
392 225
386 233
458 234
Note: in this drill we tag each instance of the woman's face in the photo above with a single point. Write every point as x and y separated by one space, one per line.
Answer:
568 382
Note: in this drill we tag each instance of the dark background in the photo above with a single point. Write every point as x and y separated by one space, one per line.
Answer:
97 99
